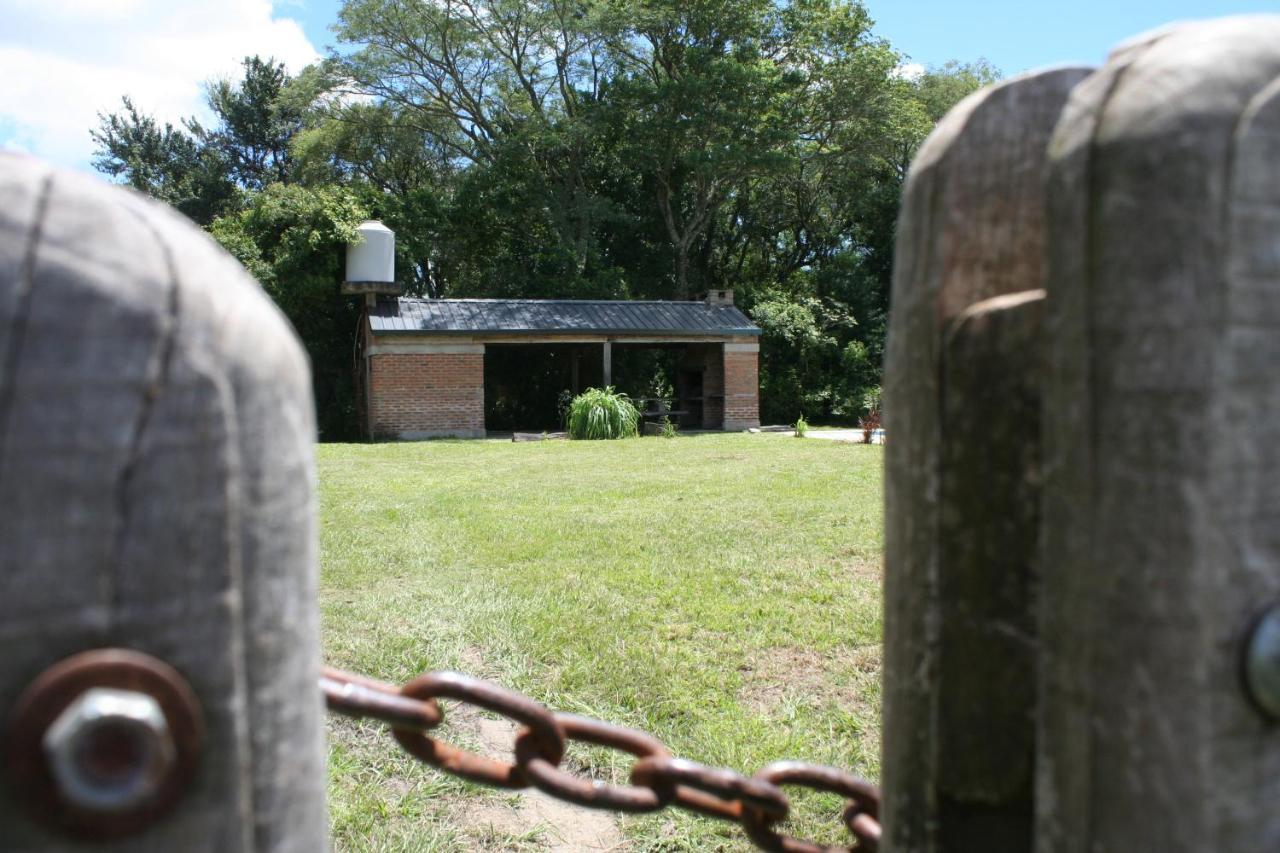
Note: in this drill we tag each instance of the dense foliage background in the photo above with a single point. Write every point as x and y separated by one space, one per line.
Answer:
576 149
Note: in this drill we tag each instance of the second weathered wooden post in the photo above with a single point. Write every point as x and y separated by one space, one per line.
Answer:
1129 663
1162 431
157 540
961 407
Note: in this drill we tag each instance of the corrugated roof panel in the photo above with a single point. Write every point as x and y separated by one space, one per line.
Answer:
659 316
549 316
633 315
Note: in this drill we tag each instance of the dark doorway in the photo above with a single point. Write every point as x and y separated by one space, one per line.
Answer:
646 370
664 377
527 385
524 383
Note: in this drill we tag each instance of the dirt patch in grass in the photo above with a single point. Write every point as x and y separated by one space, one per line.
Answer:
863 570
535 821
472 661
524 820
527 820
774 678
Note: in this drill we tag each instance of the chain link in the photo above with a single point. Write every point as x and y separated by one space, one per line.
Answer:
658 779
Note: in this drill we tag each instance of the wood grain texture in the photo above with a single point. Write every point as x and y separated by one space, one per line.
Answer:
971 230
156 476
1162 423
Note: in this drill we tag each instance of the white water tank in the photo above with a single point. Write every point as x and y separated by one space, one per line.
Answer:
371 261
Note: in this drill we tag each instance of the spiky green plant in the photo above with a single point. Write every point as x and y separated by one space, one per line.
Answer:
802 426
603 413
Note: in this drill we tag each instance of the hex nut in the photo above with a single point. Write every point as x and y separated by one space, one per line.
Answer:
109 750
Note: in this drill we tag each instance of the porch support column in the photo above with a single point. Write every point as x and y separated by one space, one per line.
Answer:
608 364
741 385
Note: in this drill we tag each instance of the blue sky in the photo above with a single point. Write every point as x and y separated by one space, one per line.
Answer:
66 61
1015 35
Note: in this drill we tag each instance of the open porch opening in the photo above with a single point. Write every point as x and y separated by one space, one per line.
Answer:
527 386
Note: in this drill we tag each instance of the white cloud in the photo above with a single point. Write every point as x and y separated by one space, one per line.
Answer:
64 61
909 71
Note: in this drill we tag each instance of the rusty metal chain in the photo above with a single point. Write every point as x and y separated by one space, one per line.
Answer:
658 779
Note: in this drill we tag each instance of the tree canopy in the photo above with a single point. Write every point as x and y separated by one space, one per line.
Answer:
573 148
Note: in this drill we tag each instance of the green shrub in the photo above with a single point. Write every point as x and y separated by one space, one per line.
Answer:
563 402
870 422
669 427
802 426
597 413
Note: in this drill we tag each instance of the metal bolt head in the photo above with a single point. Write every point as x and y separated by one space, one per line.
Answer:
110 749
1262 663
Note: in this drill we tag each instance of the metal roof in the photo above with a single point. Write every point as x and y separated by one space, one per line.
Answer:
556 316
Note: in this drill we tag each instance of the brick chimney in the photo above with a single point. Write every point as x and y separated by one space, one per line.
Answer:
719 297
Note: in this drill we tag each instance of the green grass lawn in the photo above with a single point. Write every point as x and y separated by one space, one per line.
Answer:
719 591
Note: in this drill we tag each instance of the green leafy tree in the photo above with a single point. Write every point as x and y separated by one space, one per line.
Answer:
705 108
398 168
940 89
199 169
165 162
497 83
255 124
293 239
796 356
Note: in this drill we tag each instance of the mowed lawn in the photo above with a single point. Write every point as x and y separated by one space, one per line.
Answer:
719 591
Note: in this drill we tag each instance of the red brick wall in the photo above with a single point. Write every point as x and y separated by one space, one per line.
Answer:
421 395
741 389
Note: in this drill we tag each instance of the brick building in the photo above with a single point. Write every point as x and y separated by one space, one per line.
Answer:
421 370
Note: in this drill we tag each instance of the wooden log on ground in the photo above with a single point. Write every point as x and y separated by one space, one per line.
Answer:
539 436
960 525
1162 496
156 475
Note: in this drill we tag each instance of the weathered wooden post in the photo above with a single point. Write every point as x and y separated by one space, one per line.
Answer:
962 412
1157 579
1162 432
156 482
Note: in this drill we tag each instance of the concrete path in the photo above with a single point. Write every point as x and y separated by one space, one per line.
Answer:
851 436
